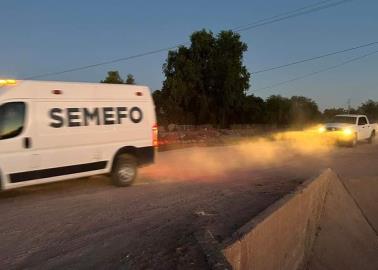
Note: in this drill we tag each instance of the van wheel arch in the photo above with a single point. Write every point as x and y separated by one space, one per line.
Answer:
124 166
131 150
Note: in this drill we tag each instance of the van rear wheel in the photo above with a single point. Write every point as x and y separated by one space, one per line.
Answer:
124 171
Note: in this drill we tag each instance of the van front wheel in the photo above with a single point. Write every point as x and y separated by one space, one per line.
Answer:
124 171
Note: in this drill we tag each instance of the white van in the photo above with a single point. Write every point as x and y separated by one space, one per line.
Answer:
52 131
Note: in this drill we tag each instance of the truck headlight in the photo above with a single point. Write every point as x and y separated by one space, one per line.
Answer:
322 129
347 131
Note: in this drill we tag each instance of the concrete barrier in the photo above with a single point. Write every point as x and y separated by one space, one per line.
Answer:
281 237
347 239
319 226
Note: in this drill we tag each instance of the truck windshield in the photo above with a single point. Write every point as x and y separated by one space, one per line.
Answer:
344 119
12 117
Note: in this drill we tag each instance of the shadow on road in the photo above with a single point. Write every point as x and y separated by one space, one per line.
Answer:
89 184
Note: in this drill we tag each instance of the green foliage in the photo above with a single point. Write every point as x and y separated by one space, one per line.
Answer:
278 110
206 82
162 116
331 112
303 111
252 111
130 79
296 111
370 108
113 77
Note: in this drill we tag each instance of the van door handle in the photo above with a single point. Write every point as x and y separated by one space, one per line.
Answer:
27 142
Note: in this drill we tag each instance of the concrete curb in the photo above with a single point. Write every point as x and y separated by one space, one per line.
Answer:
212 250
318 226
282 235
227 255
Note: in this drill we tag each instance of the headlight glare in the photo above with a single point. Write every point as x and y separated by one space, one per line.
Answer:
322 129
347 131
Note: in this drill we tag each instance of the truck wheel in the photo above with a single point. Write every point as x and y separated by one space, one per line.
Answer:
372 137
124 171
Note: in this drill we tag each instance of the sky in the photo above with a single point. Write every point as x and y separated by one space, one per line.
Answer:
38 37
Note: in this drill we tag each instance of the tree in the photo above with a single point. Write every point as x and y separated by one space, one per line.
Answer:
278 110
303 111
161 115
370 108
206 82
113 77
296 111
253 111
331 112
130 79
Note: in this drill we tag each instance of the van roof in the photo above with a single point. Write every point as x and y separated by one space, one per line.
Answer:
25 89
70 82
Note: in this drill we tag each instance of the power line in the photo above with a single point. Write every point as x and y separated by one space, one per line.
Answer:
103 63
273 19
241 29
315 58
282 14
317 72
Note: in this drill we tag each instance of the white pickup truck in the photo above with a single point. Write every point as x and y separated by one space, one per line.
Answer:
351 128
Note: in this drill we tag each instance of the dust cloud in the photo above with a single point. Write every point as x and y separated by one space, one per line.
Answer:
201 163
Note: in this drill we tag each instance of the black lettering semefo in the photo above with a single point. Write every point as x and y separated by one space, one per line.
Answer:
89 115
136 115
55 114
75 117
108 114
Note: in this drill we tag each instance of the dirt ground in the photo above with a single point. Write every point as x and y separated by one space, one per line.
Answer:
87 223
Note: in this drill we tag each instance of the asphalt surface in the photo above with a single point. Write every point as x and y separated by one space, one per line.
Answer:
89 224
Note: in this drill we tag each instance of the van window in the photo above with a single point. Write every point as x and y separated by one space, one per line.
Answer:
362 121
12 118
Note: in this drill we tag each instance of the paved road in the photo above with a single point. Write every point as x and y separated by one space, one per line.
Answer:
87 223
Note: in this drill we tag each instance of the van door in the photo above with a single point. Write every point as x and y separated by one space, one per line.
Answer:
67 146
15 141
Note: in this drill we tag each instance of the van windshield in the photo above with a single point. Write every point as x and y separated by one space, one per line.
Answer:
344 119
12 118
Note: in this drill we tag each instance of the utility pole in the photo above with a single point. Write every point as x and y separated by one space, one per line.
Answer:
349 102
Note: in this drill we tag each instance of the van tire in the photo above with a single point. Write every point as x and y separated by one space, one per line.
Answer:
372 137
124 171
